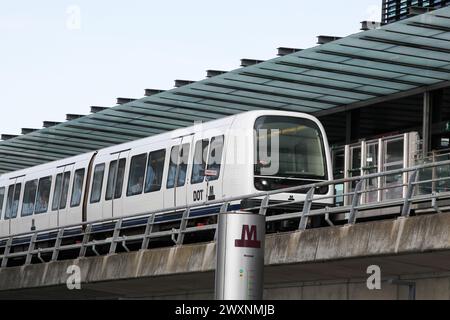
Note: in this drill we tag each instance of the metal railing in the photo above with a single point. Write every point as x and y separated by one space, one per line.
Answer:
48 244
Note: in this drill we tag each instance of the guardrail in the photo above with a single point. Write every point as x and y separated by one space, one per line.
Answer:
79 238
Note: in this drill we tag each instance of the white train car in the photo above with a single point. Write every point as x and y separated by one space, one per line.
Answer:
211 161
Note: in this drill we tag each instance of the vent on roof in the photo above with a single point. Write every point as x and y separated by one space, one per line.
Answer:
213 73
282 51
151 92
28 130
326 39
250 62
8 136
71 116
370 25
48 124
124 100
95 109
181 83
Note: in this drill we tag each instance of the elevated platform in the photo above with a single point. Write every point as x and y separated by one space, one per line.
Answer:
315 263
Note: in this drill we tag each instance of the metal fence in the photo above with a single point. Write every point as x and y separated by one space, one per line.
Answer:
427 184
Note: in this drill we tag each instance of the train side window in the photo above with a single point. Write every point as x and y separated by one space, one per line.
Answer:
137 174
12 203
178 166
215 158
29 198
97 183
77 188
172 167
199 165
43 195
155 168
2 197
115 178
61 191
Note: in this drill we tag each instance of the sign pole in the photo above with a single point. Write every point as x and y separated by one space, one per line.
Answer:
240 256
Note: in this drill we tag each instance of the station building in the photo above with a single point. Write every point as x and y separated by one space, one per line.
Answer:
383 96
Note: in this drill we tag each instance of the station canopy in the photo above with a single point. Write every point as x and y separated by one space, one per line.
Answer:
399 59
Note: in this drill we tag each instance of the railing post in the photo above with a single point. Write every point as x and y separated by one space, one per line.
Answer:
406 210
57 244
86 236
30 249
306 209
183 225
355 202
113 246
6 252
264 204
223 209
148 231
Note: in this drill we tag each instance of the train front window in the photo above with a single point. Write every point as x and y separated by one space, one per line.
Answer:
289 152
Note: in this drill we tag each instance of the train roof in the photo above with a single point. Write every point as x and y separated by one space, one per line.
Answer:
166 135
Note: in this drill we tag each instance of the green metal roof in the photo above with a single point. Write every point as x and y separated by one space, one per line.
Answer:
399 59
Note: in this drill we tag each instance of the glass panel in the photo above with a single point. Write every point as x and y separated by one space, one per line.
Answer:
2 197
115 178
355 167
338 173
97 183
199 165
60 193
393 160
29 198
172 167
300 147
12 204
155 169
43 195
182 167
136 176
371 167
215 158
77 188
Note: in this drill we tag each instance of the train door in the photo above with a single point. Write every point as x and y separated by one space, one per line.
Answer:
59 206
13 199
114 195
205 184
177 175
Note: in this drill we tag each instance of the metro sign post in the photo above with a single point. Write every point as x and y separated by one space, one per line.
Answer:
240 256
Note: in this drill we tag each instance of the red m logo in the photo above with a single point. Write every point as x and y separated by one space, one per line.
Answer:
249 238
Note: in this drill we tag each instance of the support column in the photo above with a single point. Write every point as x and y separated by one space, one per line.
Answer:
426 121
352 125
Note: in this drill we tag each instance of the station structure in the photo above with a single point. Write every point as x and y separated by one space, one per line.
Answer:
383 96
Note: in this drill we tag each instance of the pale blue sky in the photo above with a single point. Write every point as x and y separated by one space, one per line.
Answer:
52 63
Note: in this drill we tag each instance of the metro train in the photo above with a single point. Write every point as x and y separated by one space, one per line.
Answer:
196 165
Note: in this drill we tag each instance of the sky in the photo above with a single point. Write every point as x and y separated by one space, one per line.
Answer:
59 57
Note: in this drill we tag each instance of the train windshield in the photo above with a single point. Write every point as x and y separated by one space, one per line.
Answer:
288 149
